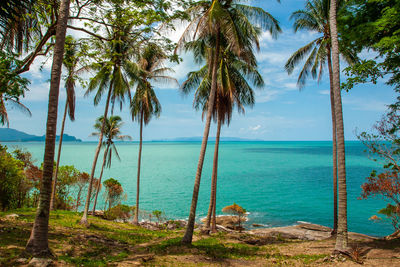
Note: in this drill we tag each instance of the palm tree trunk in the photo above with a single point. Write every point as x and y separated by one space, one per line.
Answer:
187 238
334 144
53 194
211 208
101 175
136 218
38 241
341 236
96 156
78 198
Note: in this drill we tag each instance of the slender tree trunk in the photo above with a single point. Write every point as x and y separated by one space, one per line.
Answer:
187 238
213 195
136 218
341 236
38 241
78 198
101 175
53 192
96 156
334 145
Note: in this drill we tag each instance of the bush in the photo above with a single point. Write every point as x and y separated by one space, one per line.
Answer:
12 180
119 212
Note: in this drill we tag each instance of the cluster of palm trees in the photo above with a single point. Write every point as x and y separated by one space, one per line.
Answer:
222 34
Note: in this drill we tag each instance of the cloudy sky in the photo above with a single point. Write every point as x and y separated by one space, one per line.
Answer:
282 112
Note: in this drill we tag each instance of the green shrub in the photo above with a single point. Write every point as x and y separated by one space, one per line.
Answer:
121 212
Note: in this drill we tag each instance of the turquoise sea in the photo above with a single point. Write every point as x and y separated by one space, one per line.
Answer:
279 183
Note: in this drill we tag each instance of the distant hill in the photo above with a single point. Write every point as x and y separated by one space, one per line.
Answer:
212 139
12 135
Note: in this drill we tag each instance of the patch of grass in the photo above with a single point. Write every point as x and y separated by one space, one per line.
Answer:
304 258
212 247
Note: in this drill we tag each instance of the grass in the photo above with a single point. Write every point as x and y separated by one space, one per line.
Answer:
106 243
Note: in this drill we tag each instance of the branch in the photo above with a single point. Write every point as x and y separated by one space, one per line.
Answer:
27 62
88 32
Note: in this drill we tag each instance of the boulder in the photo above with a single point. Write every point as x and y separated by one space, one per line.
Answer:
40 262
12 216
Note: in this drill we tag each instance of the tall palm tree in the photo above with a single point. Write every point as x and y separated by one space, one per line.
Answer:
341 236
232 89
315 17
71 63
144 103
38 241
112 131
113 72
212 19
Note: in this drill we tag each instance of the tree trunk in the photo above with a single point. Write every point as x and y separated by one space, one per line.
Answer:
136 218
96 156
53 194
187 238
101 175
38 241
213 197
341 236
78 198
334 144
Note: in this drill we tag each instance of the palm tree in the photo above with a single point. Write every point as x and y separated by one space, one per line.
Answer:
233 21
112 131
38 241
18 25
113 71
232 89
71 61
341 236
315 17
15 102
144 103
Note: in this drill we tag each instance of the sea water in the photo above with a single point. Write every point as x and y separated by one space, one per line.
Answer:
278 183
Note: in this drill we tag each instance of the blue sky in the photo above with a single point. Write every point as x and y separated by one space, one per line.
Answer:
282 112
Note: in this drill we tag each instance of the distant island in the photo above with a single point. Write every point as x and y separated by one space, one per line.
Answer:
212 139
12 135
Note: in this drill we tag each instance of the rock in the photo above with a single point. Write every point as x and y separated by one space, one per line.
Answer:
257 225
40 262
12 216
21 260
314 227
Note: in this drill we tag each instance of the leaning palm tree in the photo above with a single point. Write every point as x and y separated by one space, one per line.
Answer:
38 241
112 131
144 103
232 89
112 73
234 22
315 17
341 236
14 101
71 64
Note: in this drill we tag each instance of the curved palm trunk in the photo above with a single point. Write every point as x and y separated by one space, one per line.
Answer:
96 156
53 194
38 241
136 218
341 236
211 209
334 145
187 238
101 175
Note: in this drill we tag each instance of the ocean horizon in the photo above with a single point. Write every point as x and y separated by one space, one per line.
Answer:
278 182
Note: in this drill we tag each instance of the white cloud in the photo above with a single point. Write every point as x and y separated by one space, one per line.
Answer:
255 128
324 92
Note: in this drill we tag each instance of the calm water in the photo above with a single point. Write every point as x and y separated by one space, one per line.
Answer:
279 183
